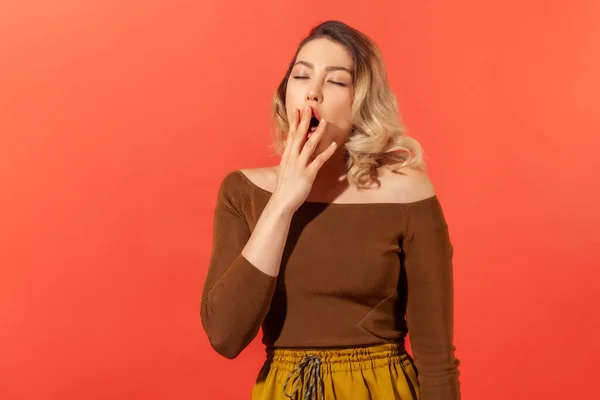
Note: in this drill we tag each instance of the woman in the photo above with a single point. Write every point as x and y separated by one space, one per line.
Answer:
341 249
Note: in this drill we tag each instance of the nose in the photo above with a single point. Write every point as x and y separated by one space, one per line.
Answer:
314 94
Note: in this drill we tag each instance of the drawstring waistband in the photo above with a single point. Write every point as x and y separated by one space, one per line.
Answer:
306 368
310 370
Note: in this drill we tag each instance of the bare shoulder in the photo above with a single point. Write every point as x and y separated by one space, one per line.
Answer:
408 185
263 177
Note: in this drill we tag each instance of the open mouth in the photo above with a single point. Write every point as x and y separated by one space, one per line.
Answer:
314 121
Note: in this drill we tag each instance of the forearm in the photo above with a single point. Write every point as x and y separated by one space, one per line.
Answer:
265 247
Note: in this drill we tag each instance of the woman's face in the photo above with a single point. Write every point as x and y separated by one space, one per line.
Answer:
322 78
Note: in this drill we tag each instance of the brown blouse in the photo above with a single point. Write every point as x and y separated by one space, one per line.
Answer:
352 274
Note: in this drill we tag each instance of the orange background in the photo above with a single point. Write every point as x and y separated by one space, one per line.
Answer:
118 119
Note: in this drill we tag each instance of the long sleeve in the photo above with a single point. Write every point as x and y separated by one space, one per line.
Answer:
428 255
236 295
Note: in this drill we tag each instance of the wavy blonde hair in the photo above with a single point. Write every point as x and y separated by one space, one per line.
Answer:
378 136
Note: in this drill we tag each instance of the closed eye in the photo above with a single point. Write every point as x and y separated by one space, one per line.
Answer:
306 77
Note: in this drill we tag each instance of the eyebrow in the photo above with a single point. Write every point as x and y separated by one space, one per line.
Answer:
327 68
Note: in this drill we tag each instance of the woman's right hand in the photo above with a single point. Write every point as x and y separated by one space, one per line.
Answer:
297 170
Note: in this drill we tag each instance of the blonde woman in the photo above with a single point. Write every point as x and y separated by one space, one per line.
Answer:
342 249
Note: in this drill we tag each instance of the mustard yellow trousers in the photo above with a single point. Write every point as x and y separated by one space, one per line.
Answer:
381 372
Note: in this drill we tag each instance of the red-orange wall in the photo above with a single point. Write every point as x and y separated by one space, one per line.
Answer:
118 119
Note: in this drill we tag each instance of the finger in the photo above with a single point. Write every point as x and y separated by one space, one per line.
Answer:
313 141
319 160
300 134
293 126
294 121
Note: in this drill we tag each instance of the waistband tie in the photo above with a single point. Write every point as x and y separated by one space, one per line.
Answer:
309 368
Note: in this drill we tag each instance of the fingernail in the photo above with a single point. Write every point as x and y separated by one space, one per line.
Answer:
306 108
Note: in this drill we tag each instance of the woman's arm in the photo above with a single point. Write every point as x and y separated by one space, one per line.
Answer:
243 269
430 304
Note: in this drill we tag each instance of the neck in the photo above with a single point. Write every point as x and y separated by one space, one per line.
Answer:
332 174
